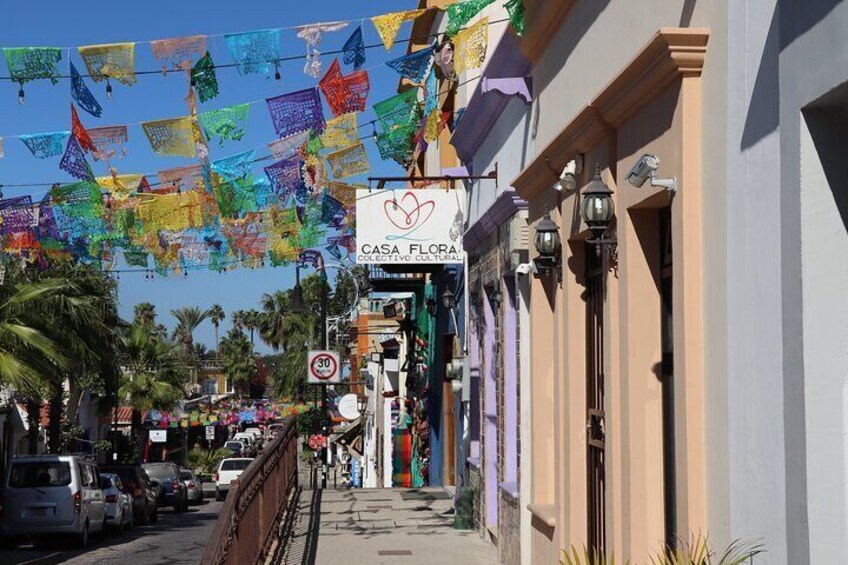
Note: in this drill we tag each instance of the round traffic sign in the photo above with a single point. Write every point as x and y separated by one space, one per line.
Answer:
348 407
323 367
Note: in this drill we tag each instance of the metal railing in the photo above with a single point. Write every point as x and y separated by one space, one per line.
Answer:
255 505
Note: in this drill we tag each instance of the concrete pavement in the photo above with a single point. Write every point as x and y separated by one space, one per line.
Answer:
375 526
177 539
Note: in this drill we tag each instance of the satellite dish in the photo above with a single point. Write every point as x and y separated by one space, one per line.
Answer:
348 407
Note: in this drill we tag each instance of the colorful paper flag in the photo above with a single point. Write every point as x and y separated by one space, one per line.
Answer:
203 78
345 94
45 145
349 162
471 44
225 123
173 137
110 61
82 95
32 63
312 35
354 49
180 53
413 66
461 13
388 25
296 112
254 51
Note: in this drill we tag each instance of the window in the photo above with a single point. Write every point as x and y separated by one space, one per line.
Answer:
235 464
88 477
40 474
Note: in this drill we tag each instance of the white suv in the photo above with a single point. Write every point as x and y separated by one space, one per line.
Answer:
228 471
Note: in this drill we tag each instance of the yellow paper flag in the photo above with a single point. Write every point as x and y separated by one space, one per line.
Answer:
471 44
173 137
388 25
111 61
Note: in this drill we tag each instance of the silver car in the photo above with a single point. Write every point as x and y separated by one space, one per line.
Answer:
45 495
119 510
193 485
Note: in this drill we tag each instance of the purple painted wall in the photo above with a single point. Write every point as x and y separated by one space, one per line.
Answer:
510 385
490 415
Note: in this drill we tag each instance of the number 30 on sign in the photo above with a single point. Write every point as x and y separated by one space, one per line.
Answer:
323 367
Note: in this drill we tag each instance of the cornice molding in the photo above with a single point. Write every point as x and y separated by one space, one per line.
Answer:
670 55
506 205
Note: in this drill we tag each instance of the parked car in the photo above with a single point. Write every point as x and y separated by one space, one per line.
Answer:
119 510
228 471
46 495
247 449
194 486
142 490
236 447
173 492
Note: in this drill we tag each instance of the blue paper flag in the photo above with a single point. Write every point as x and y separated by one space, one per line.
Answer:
415 65
354 49
82 95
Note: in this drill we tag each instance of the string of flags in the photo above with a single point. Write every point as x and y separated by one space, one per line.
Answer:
218 213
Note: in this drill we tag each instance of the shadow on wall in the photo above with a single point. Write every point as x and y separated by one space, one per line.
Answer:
827 120
789 21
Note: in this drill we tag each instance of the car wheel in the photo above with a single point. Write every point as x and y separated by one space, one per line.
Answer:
119 529
154 516
82 538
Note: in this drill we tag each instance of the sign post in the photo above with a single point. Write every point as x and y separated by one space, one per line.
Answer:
210 433
323 368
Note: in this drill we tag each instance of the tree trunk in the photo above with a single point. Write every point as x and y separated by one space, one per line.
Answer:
54 427
135 429
33 416
74 399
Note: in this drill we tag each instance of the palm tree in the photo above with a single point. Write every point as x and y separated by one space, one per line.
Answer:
188 319
251 322
237 360
153 374
280 329
145 312
216 316
238 319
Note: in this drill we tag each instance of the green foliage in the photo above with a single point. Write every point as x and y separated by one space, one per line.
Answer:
103 446
311 421
237 361
697 551
205 461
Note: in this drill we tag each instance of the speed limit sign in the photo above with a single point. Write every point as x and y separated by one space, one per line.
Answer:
323 367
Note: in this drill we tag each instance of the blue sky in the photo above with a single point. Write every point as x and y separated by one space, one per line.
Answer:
70 24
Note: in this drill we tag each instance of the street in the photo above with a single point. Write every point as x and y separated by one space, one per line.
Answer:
176 538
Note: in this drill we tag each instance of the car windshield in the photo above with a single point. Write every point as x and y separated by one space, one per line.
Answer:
159 471
105 482
235 464
40 474
126 473
185 476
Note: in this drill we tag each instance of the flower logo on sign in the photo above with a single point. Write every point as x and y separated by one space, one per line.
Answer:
408 214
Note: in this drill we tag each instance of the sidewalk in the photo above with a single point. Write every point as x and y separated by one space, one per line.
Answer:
374 526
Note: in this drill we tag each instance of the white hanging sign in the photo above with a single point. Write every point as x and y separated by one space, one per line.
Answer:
410 226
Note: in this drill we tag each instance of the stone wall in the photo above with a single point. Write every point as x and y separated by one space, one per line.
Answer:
509 529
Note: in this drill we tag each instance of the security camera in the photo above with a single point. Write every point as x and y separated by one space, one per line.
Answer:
568 179
524 269
644 169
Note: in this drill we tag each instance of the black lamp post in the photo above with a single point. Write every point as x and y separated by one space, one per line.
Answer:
297 305
598 210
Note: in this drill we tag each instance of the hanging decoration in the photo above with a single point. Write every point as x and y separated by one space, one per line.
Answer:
343 192
345 94
413 66
332 210
254 51
396 145
16 214
82 95
32 63
515 9
203 78
173 137
112 61
399 110
296 112
179 179
73 161
79 132
235 167
289 146
354 49
431 92
285 177
388 25
312 35
461 13
119 187
471 44
180 53
340 132
434 124
225 123
349 162
445 60
109 142
45 145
